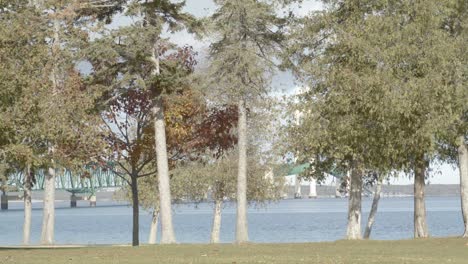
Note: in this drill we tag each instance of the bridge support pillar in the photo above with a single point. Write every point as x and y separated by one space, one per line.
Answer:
4 201
337 189
313 188
92 200
73 200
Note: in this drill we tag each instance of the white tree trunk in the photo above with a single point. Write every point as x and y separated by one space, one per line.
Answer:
48 217
27 207
463 168
375 205
241 224
216 227
420 225
167 230
154 227
354 205
297 188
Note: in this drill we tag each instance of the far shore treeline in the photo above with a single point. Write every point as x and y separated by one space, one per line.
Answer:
383 90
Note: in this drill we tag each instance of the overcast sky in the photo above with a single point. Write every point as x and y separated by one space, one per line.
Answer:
441 174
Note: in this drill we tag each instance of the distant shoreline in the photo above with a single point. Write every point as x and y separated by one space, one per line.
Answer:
432 190
323 191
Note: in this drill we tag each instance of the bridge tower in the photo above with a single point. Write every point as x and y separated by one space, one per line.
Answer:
312 188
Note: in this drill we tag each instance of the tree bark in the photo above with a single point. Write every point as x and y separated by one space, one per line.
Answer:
216 228
154 226
375 204
241 224
420 225
297 187
167 231
463 168
136 213
48 217
27 206
354 204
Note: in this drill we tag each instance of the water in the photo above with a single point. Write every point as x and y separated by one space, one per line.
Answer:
305 220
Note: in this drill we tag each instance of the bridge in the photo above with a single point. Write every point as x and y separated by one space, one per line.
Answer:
296 170
92 179
88 183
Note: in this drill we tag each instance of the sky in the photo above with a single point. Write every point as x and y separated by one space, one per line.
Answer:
283 82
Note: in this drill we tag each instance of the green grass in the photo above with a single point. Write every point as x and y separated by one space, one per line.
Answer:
447 250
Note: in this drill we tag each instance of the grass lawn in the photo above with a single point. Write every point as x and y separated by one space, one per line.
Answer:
446 250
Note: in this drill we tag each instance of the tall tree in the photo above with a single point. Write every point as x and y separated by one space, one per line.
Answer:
130 154
137 57
18 55
215 178
129 122
157 14
453 143
380 93
50 113
247 36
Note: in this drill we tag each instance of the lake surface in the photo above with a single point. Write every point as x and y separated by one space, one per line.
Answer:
303 220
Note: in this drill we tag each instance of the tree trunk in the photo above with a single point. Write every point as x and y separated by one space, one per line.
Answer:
27 206
375 204
215 229
420 225
154 226
297 187
354 204
136 213
167 231
241 226
48 217
463 167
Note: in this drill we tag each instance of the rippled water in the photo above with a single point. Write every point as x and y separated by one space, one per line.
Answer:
303 220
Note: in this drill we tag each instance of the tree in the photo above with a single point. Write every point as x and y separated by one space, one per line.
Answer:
216 179
377 180
453 142
19 59
426 66
50 111
120 68
211 173
340 127
193 131
377 73
247 36
130 154
158 13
